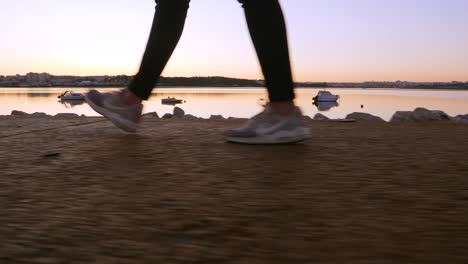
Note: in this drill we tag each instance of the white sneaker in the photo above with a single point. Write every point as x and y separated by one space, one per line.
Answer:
125 117
270 128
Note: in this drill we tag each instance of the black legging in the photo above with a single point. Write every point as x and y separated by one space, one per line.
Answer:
267 30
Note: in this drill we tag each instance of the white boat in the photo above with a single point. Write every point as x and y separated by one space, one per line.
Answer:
325 96
70 95
171 101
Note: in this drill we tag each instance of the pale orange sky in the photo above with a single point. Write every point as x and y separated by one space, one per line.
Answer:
330 40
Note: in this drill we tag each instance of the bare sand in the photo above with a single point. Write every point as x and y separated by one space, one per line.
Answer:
80 191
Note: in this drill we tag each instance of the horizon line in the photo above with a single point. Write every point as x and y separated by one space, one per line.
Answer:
219 76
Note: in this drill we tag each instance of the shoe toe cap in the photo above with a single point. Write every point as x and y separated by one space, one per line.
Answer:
95 97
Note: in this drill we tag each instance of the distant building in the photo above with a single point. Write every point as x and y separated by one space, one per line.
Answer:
37 78
63 81
85 83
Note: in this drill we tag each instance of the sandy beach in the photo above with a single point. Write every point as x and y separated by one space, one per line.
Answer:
78 190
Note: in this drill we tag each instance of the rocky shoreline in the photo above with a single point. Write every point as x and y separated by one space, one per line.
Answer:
418 115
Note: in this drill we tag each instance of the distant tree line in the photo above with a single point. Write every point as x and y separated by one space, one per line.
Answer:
208 82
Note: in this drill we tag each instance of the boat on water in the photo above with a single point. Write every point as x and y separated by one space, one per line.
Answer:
325 96
70 95
171 101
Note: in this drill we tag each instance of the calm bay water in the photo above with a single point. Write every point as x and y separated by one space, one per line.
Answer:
247 102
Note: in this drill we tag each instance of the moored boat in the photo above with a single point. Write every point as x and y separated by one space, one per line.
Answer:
70 95
325 96
171 101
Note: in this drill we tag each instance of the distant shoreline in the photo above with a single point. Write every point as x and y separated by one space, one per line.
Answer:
236 87
45 80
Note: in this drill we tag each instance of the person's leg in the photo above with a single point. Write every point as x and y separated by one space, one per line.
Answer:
267 29
280 122
124 108
168 24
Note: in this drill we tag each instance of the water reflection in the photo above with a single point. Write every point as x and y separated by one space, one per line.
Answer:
71 103
325 106
172 101
38 94
247 102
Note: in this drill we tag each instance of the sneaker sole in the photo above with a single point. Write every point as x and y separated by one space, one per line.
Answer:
124 124
281 137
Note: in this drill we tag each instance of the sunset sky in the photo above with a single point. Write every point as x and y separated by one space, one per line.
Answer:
330 40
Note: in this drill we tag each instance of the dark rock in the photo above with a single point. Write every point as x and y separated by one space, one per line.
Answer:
420 115
237 118
151 115
320 117
39 114
402 116
18 113
462 119
190 117
216 117
364 117
178 112
343 120
67 115
167 115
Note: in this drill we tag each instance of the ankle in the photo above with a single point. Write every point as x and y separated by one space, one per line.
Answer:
282 107
129 98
